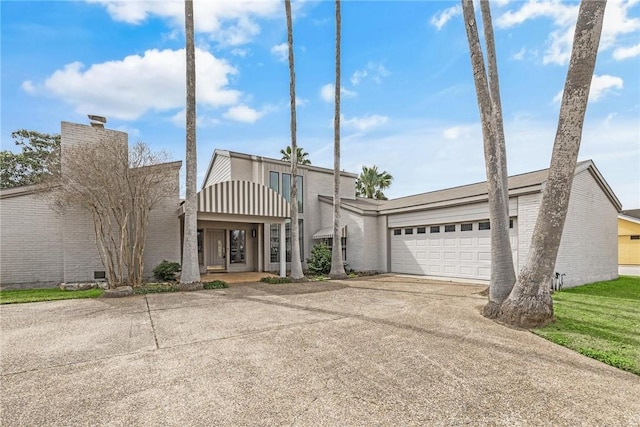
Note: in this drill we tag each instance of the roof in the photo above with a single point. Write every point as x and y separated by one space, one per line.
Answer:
227 153
526 183
634 213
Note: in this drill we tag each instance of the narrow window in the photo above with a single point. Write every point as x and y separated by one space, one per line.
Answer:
635 237
274 243
287 234
510 223
422 230
200 246
397 232
466 227
485 225
408 231
274 181
434 229
300 185
237 246
286 186
449 228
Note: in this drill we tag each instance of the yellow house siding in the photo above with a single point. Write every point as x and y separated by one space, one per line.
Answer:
628 249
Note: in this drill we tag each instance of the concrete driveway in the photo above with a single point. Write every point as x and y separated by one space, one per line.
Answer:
383 351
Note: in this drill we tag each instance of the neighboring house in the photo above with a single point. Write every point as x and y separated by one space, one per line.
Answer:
629 242
243 211
40 247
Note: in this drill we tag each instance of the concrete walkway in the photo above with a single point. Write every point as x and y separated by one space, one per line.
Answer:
383 351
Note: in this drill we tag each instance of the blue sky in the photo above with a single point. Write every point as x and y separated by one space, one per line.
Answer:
408 98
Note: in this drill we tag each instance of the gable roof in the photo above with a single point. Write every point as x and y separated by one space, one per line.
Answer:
526 183
633 213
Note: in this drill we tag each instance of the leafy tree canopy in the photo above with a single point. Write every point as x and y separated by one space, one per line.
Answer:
40 156
303 156
371 182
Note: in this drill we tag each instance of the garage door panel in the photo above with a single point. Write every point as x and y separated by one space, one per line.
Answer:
450 256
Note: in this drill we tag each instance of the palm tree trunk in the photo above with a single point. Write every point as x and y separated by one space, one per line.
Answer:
190 269
530 304
337 266
503 274
296 263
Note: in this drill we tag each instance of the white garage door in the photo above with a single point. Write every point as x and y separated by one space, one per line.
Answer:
454 250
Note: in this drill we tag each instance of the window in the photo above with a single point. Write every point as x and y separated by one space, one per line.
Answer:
635 237
286 186
485 225
274 181
434 229
200 246
422 230
466 227
237 246
397 232
343 245
99 275
510 223
300 185
449 228
408 231
274 243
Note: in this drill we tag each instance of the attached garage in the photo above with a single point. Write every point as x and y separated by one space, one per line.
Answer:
453 250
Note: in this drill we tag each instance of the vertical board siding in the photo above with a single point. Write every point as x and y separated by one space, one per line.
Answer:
242 198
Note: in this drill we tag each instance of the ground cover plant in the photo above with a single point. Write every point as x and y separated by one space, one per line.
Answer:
50 294
216 284
275 280
600 320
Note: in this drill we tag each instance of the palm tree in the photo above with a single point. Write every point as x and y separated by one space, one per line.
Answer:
190 269
303 156
296 262
337 265
503 275
371 182
530 304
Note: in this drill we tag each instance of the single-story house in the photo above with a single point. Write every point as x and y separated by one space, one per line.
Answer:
629 242
243 225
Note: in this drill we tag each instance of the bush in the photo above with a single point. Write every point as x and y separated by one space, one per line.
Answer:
275 280
216 284
320 260
166 271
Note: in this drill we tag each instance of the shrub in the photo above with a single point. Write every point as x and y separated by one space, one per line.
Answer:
320 260
216 284
166 271
275 280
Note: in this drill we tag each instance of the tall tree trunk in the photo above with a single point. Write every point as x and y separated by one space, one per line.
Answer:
503 274
530 304
337 266
190 269
296 263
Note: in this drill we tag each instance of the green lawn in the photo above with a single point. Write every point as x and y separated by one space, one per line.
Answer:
36 295
600 320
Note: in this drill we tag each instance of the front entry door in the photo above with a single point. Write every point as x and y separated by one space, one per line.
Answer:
216 250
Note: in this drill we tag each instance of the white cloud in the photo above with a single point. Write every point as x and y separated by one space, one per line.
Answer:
129 88
301 102
519 55
626 52
373 70
441 18
327 92
240 52
202 120
564 15
242 113
230 23
365 123
600 86
281 51
357 76
28 87
460 131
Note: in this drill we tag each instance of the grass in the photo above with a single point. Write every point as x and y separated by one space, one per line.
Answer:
275 280
600 320
51 294
216 284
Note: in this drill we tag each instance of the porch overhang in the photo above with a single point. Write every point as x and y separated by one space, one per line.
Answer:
245 198
327 233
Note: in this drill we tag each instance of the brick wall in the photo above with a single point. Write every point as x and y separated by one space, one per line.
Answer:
31 243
